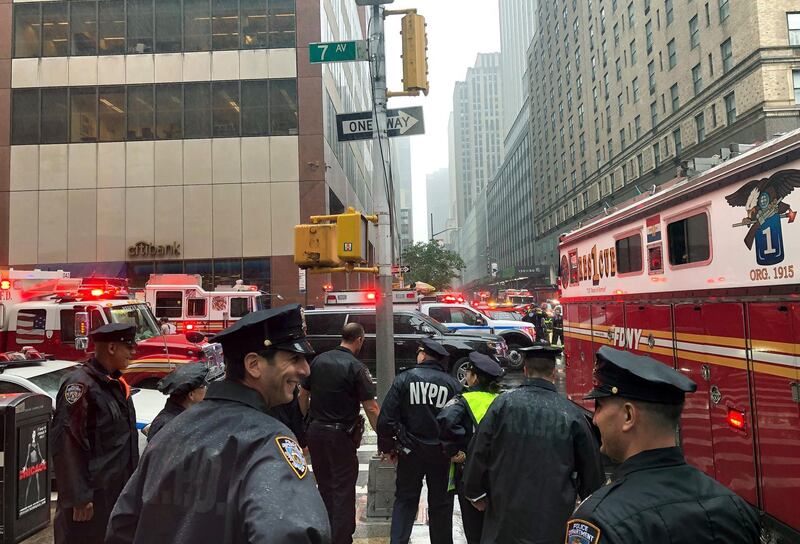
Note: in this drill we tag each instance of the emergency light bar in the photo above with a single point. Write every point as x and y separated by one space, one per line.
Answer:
367 298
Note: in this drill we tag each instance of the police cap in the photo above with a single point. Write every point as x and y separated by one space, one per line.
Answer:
184 379
280 328
487 365
623 374
115 332
542 350
433 348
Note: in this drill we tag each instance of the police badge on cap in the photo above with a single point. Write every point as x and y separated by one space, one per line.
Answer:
279 328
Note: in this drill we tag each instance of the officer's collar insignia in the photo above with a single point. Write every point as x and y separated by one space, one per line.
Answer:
451 402
73 392
293 454
582 532
267 343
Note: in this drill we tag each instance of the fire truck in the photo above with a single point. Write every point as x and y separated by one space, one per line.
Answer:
704 276
182 299
52 313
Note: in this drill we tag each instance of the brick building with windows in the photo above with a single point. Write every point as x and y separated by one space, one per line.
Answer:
628 89
193 125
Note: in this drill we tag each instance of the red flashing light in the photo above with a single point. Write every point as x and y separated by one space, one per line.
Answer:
372 295
5 285
330 299
410 296
328 287
735 419
190 326
97 292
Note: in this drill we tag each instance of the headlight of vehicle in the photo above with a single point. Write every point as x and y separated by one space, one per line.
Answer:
215 360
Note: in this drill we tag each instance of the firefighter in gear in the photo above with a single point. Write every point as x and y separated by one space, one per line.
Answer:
186 386
409 434
95 447
533 455
654 495
458 421
226 471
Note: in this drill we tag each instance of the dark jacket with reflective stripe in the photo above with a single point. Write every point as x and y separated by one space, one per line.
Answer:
655 497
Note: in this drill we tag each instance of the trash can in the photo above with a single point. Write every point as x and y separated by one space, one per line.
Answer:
25 471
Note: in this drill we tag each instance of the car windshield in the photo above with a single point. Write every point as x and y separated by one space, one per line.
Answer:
138 315
51 381
433 323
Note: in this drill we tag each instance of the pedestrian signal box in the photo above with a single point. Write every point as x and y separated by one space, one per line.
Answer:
25 472
415 53
351 232
315 246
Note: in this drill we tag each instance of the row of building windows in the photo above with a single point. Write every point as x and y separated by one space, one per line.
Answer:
171 111
118 27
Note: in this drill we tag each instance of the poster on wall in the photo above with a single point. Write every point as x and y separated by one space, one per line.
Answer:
32 469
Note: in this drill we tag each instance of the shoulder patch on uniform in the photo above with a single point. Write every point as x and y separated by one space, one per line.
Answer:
73 392
580 531
452 401
293 454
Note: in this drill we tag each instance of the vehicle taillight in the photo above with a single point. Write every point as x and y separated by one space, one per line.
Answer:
372 295
5 285
330 299
410 296
735 419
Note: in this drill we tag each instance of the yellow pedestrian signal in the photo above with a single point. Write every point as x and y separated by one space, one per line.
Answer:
351 228
315 246
415 53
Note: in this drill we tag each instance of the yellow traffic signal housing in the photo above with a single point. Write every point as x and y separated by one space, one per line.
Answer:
315 246
415 53
352 237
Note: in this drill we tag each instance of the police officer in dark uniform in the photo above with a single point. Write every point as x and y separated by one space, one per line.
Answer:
533 455
535 316
458 422
654 496
407 426
95 447
226 471
186 386
338 383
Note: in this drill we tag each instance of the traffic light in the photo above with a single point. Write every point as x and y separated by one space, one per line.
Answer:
415 53
315 246
351 228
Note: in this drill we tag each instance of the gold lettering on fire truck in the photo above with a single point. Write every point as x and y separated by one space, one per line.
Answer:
597 264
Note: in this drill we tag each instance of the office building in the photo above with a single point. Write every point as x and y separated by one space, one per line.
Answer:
438 199
401 174
517 27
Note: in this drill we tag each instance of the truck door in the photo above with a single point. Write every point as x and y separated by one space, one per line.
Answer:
774 360
578 351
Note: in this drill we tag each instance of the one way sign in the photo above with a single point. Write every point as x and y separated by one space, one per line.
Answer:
400 122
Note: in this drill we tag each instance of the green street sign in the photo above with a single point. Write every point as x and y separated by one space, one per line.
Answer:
338 51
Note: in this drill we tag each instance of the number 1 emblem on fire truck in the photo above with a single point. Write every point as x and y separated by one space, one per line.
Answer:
763 200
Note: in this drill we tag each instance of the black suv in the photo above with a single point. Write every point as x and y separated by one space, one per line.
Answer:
410 326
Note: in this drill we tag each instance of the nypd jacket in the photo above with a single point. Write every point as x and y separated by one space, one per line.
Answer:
656 497
95 447
408 414
224 472
171 409
533 454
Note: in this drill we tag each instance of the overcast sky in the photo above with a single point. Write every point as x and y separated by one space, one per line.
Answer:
457 31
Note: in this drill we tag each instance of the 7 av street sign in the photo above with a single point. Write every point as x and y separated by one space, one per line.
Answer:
400 122
337 51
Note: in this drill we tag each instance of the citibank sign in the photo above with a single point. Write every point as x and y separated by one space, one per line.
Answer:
146 249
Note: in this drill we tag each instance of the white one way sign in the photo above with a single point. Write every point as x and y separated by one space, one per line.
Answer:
400 122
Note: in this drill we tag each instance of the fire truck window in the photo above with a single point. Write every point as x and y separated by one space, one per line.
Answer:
168 303
196 307
96 320
442 315
239 307
325 324
629 254
688 240
67 326
366 320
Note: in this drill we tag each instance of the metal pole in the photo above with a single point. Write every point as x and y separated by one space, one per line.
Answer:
384 321
431 227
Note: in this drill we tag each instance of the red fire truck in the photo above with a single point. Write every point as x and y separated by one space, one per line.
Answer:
704 275
52 313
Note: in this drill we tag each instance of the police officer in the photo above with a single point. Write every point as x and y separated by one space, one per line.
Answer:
95 447
533 454
535 316
337 384
186 386
458 421
407 424
226 471
654 495
558 326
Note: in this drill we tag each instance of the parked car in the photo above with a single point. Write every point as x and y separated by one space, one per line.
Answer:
410 326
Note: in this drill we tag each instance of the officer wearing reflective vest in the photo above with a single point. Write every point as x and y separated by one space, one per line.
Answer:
95 447
654 495
407 427
458 421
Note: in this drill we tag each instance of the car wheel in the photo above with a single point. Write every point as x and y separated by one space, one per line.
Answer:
459 370
515 357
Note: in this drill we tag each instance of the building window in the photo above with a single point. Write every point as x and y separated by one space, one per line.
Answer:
688 240
656 154
25 117
711 64
651 77
226 109
793 21
197 106
111 27
633 52
141 113
618 69
730 108
676 140
671 53
255 118
694 32
283 107
224 25
631 16
796 85
635 89
619 105
55 29
648 28
83 28
111 113
629 254
27 30
713 116
616 35
697 79
637 124
621 139
196 25
140 26
700 125
653 114
254 24
668 8
676 102
83 114
169 27
608 119
55 112
169 112
726 50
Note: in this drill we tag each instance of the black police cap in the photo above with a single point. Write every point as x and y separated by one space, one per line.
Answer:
542 350
184 379
115 332
483 363
434 348
623 374
280 328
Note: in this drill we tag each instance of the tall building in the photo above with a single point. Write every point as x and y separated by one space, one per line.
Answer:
438 199
517 27
623 92
401 174
175 136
